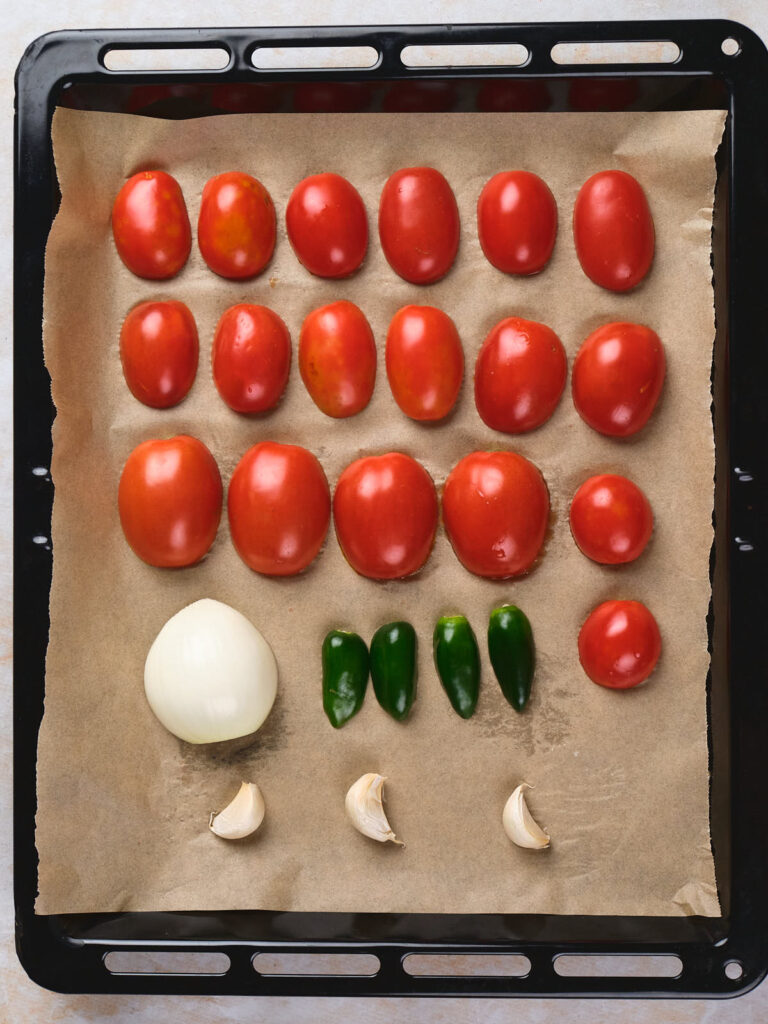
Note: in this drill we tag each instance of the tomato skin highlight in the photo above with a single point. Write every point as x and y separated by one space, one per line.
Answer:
385 510
611 519
159 350
327 225
619 644
337 359
150 225
425 362
251 358
517 222
613 230
419 224
617 377
237 227
169 500
495 511
279 508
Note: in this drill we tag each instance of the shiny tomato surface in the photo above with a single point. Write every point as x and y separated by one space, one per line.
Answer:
519 375
279 508
251 358
611 519
495 511
327 225
385 510
169 499
159 349
236 229
517 222
619 644
150 225
419 224
617 378
337 359
425 362
613 230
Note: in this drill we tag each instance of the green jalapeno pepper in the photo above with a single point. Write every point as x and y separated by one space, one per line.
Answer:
457 660
345 675
513 656
393 667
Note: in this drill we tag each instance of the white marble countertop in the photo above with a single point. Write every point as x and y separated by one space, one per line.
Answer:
20 999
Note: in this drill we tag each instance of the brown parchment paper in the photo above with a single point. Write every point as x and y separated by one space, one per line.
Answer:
620 779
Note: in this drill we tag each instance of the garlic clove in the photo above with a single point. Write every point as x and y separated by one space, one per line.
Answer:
365 809
519 824
242 816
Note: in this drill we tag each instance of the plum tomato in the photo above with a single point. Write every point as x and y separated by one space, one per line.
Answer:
611 519
419 224
279 507
251 358
619 644
385 510
327 226
425 362
337 359
169 500
517 222
159 350
236 229
613 230
495 511
150 225
617 378
519 375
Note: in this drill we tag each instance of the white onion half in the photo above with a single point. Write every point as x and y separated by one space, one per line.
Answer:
210 675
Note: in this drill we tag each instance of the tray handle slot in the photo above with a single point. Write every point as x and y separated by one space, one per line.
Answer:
132 961
309 58
339 965
178 58
467 965
652 51
462 55
617 965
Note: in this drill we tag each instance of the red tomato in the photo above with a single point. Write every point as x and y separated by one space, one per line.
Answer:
337 359
495 510
519 375
619 644
617 378
159 350
419 224
279 508
236 229
613 230
425 362
385 510
150 225
251 358
408 97
517 222
169 499
327 225
331 97
611 519
501 94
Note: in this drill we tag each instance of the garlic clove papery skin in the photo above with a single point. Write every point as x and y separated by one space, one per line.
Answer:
242 816
365 808
519 824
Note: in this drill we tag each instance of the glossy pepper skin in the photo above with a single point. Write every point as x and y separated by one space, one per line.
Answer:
393 667
457 660
345 675
513 656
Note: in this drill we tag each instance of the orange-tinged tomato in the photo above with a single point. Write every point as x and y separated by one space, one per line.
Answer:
611 519
419 224
327 226
150 225
236 229
251 358
159 350
619 644
517 222
425 362
337 359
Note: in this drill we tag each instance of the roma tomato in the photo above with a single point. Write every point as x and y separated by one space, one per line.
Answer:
337 359
327 226
279 507
236 228
519 375
385 511
617 378
517 222
613 230
150 225
419 224
496 510
611 519
159 350
619 644
251 358
169 499
425 362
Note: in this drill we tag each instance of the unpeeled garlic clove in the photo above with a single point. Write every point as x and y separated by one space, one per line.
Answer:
519 824
242 816
366 811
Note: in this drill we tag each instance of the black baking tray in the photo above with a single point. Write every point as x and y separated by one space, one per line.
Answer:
67 953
